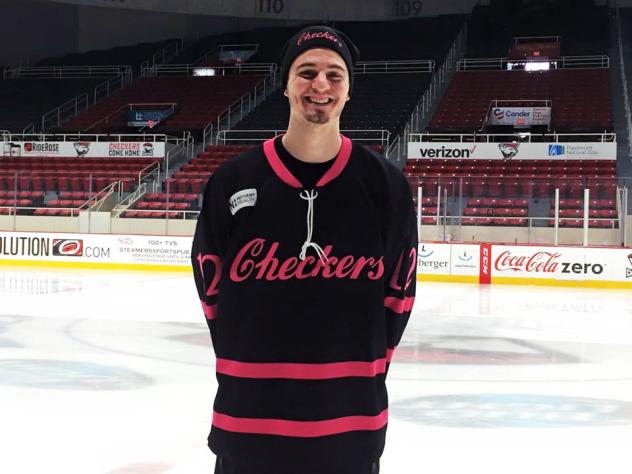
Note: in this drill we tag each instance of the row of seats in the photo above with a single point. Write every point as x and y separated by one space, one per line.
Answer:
16 202
55 212
495 211
198 101
158 205
34 195
79 195
155 214
467 100
495 221
592 204
579 213
518 222
164 197
63 182
493 202
68 203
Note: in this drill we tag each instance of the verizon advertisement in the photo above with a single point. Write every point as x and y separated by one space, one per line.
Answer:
96 248
519 116
82 149
512 151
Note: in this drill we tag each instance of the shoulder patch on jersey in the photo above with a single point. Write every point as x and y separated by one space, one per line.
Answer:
241 199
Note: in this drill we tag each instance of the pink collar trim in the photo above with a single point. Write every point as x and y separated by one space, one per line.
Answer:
288 178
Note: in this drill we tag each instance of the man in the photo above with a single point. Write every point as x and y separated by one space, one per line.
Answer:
304 258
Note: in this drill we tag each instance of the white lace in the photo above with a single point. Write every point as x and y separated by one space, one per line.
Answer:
310 196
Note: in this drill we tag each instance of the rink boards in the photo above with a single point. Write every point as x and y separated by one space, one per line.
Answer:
484 263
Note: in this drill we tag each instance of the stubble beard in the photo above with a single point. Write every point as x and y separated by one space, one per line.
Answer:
317 117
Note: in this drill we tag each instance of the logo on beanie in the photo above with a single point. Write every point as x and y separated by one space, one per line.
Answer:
318 34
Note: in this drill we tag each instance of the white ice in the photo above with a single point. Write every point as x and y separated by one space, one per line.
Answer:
112 373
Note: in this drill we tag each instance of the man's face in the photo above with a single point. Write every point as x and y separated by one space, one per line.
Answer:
318 86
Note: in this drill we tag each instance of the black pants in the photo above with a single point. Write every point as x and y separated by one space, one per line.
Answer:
226 466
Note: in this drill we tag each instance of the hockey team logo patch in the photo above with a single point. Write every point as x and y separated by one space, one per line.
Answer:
68 247
241 199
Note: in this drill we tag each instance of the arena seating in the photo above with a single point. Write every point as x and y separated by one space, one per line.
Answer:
24 101
419 38
499 193
602 213
380 101
192 177
119 55
199 100
73 180
584 27
467 100
160 205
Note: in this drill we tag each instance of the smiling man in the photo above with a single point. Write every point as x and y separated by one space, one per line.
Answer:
304 259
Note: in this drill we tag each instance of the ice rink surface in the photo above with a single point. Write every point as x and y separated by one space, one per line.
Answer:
113 373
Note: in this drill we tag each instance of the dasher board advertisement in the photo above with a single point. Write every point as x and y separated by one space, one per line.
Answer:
512 150
84 149
97 249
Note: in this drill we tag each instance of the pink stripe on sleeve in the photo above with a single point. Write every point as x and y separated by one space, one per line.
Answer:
210 311
300 429
399 305
325 371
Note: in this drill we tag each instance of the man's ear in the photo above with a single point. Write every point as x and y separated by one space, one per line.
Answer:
348 98
285 92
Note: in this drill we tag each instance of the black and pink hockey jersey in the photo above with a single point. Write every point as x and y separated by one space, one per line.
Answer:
307 287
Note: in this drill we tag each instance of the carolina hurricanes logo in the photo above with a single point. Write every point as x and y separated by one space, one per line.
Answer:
68 247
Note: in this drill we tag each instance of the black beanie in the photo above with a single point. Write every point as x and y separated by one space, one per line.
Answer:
319 37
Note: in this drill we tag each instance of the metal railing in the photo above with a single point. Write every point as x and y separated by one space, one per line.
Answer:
97 199
72 108
564 62
92 137
530 39
241 107
624 82
190 69
67 110
407 66
130 200
113 84
148 171
29 129
519 137
65 72
454 209
440 79
164 55
381 137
